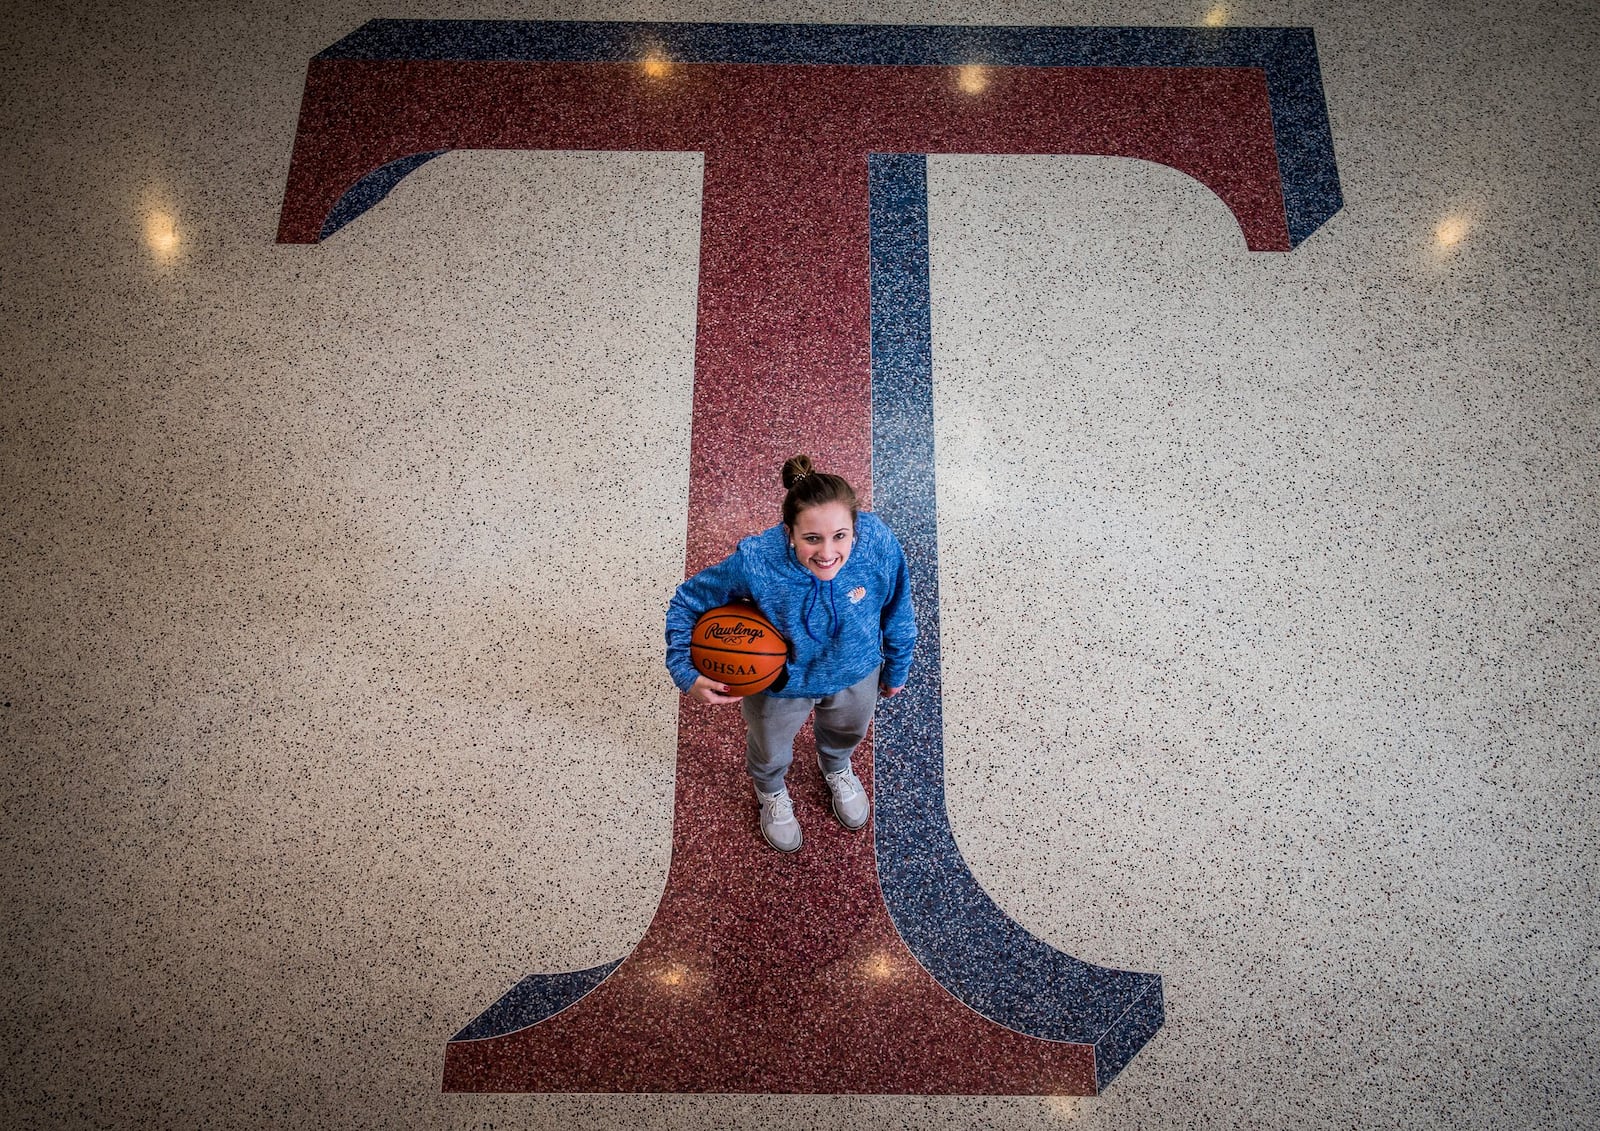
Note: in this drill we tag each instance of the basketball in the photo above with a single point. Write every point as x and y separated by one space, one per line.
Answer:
737 646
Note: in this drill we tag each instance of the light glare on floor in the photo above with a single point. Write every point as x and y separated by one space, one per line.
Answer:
971 79
161 233
879 967
1451 231
1067 1107
656 65
1217 16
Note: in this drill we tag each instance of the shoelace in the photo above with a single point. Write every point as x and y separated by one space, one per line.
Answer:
843 783
781 806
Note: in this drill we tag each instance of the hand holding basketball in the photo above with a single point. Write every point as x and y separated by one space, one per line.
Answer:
710 691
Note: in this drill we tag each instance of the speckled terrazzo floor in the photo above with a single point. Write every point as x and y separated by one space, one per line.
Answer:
330 697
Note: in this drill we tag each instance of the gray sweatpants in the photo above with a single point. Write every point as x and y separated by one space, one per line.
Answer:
771 724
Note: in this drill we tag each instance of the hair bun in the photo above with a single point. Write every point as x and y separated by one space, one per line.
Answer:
795 469
807 487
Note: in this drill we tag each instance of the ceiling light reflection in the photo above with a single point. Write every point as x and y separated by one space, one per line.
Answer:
161 234
972 79
1217 16
880 967
656 64
676 978
1451 231
1068 1107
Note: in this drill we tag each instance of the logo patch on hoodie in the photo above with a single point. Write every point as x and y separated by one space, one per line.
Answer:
856 594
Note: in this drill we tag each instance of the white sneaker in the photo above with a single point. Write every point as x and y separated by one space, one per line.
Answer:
850 802
777 820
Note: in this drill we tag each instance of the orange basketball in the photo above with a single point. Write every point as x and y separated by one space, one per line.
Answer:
737 646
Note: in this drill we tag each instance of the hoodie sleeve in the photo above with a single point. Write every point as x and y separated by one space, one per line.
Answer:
715 585
899 619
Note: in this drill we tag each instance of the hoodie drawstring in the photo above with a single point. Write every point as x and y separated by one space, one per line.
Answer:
813 598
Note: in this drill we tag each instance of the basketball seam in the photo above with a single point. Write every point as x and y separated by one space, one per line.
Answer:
737 651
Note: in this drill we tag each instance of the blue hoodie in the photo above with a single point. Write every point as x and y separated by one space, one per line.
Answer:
838 631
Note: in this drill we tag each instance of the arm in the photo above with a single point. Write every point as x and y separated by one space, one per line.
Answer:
899 624
713 586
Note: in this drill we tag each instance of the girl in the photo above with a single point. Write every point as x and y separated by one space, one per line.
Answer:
835 584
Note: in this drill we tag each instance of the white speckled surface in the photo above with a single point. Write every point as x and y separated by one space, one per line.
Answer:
310 743
1288 637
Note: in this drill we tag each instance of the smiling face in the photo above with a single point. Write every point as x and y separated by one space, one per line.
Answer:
823 537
